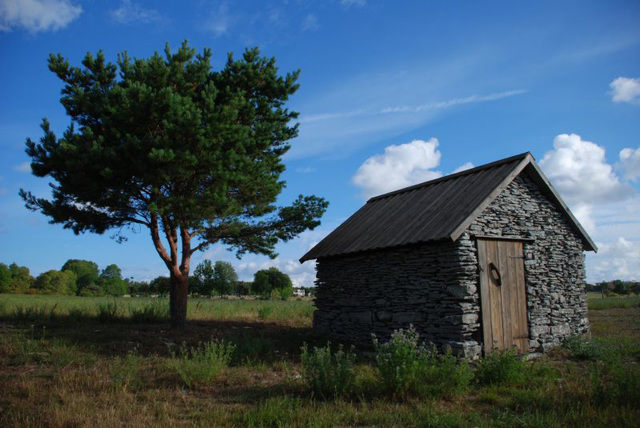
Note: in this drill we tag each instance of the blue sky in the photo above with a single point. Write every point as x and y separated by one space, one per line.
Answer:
392 93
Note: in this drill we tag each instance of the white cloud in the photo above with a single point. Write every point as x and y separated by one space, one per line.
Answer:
400 166
37 15
465 166
578 169
130 12
339 132
607 208
310 23
220 21
452 102
625 90
630 163
301 274
23 167
616 260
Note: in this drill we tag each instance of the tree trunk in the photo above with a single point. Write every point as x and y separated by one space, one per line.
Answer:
178 301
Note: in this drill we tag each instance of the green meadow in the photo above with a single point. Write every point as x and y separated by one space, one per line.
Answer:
78 361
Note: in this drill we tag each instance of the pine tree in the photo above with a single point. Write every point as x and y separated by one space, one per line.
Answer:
167 143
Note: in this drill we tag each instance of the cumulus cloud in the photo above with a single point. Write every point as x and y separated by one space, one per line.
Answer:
37 15
580 172
302 275
630 163
399 166
625 90
606 206
130 12
616 260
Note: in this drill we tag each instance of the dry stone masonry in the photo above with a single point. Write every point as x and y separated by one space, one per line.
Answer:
435 286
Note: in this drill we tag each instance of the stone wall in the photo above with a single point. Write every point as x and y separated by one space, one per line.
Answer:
554 261
435 286
379 291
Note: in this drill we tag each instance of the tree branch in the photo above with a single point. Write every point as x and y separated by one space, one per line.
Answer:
186 250
170 233
157 242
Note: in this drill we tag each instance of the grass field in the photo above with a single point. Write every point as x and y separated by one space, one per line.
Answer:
67 361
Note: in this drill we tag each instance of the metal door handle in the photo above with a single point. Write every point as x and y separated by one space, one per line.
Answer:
495 274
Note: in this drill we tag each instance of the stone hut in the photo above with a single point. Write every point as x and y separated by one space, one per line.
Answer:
487 258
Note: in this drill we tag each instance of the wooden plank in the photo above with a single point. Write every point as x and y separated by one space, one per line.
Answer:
512 311
506 273
485 302
522 332
495 296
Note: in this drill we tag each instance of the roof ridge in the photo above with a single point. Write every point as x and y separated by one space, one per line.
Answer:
451 176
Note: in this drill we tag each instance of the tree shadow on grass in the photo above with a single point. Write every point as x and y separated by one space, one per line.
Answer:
255 341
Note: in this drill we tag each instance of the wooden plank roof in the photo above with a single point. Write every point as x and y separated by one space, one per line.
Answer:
435 210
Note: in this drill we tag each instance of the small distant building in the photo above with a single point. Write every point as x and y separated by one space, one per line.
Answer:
487 258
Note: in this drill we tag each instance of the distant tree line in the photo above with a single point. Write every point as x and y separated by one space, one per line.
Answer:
76 277
220 279
616 287
84 278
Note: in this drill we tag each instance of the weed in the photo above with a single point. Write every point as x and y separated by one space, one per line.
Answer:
109 311
616 381
30 313
584 349
78 314
500 368
125 371
274 412
155 311
202 363
401 361
251 349
264 312
328 374
408 368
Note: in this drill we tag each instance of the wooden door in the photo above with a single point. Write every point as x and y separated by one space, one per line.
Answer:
502 295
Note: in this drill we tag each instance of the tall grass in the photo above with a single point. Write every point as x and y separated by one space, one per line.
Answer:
599 304
201 364
30 308
408 368
328 374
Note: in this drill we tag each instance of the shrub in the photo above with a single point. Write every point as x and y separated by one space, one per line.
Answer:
328 374
202 363
408 368
500 368
399 361
584 349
